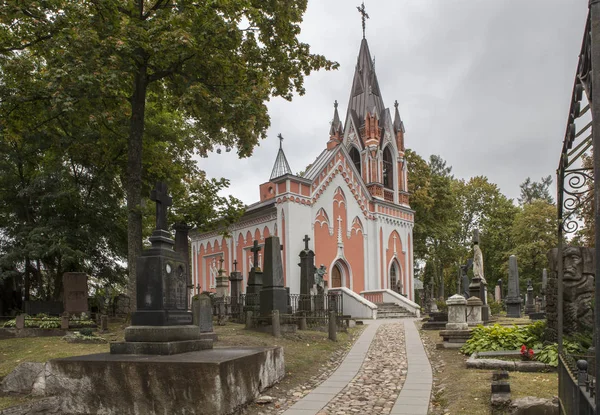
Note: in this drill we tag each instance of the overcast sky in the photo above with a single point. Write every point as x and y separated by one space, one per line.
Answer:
485 84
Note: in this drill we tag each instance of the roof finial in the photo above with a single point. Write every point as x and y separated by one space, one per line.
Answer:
335 104
396 104
364 14
280 140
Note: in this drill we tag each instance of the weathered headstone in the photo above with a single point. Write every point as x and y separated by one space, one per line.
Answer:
255 279
20 321
307 275
235 279
464 286
457 318
205 319
75 292
513 299
498 293
332 326
273 295
529 302
104 322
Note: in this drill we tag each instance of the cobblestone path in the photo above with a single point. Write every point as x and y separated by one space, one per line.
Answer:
385 372
376 386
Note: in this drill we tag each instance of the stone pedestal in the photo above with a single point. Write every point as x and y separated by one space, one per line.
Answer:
162 340
222 284
457 313
273 295
474 305
235 280
497 294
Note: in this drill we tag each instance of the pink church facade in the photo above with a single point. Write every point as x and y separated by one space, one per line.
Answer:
352 202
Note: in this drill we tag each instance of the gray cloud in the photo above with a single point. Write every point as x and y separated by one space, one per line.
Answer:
485 84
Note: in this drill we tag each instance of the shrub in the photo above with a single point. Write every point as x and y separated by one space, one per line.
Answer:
549 353
86 332
495 307
497 337
441 305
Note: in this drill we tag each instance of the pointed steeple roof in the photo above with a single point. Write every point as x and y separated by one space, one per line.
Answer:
365 95
336 124
398 124
281 166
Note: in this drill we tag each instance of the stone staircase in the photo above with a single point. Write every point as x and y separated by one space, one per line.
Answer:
391 310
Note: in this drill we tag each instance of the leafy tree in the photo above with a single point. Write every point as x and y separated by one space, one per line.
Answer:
211 64
531 190
534 233
484 207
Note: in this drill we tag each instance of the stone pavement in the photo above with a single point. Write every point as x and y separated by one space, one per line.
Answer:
371 379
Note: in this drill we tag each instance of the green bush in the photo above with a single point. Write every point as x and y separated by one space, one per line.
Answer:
549 353
495 307
497 337
441 305
86 332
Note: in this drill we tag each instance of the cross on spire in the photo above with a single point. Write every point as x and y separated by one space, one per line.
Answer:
306 239
163 201
255 249
365 16
280 140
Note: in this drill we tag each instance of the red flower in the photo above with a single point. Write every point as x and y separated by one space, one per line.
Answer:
530 352
523 349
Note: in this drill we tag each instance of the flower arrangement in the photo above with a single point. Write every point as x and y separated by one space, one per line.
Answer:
526 354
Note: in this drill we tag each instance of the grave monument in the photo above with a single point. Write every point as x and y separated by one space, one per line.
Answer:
162 323
307 275
75 292
529 299
478 286
513 299
273 295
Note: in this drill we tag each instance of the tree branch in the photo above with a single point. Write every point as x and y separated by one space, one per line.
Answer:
27 45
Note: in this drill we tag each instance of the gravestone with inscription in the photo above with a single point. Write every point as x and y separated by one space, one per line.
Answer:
235 281
162 323
513 299
75 292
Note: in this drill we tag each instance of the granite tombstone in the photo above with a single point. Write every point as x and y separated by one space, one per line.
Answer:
75 292
273 295
513 299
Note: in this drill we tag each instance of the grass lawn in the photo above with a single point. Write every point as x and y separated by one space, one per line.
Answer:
472 394
306 352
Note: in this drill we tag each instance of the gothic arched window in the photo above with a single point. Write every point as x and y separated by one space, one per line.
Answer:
388 169
355 156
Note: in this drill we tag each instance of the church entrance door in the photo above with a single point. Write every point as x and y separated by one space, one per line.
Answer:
336 277
395 278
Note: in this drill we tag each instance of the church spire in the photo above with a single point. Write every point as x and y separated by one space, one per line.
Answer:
398 124
365 103
336 124
336 131
281 166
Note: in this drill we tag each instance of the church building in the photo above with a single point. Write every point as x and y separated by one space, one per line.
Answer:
352 202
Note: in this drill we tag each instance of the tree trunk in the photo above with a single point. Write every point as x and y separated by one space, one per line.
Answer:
134 177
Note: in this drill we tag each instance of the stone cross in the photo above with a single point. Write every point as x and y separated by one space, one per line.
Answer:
306 239
221 261
255 249
163 201
235 265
